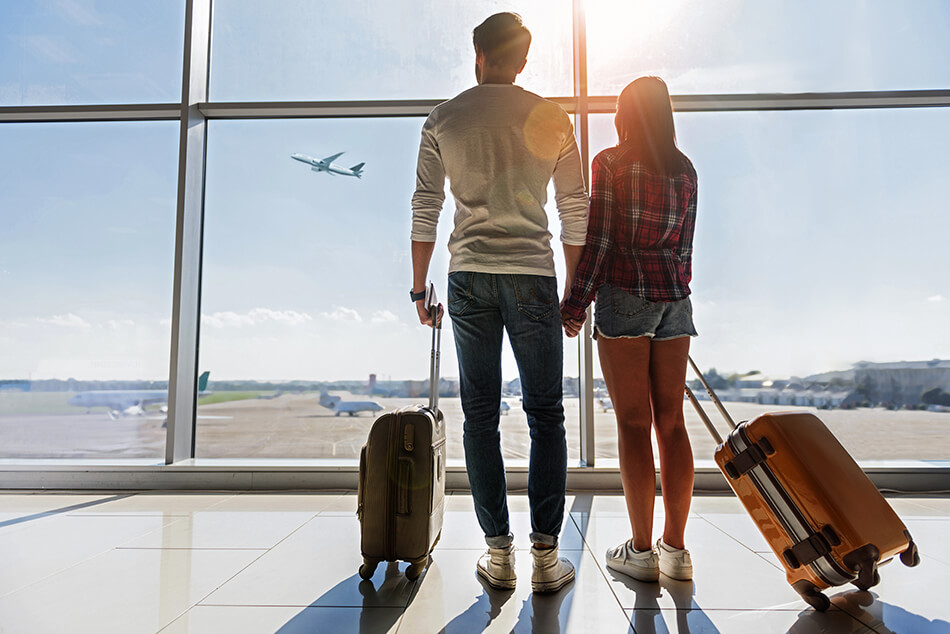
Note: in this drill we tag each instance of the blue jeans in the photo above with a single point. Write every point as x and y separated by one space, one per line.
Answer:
482 306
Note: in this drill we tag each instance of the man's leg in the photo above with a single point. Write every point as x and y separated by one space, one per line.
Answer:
533 321
477 325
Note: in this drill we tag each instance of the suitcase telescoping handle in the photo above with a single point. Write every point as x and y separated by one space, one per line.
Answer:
714 398
432 304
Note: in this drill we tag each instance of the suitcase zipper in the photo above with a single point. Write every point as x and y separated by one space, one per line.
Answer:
391 465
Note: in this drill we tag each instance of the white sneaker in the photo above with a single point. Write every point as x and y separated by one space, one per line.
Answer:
674 562
497 567
550 572
642 565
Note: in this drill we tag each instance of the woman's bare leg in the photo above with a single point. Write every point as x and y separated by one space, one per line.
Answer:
667 378
626 366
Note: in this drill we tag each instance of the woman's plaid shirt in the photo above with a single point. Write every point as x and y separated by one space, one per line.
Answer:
639 232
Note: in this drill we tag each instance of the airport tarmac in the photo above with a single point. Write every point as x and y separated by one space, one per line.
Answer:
297 426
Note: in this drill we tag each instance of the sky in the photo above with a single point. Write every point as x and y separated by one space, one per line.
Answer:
821 236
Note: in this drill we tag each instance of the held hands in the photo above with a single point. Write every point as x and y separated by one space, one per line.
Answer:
572 326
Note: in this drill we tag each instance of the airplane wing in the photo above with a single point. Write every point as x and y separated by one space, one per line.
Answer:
330 159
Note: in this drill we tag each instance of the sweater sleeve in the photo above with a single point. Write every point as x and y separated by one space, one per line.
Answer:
570 194
430 187
598 244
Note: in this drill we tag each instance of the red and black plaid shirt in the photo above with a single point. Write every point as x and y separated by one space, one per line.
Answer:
639 233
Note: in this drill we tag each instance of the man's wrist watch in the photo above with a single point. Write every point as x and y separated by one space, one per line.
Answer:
417 296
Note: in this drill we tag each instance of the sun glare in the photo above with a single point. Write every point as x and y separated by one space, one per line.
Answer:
637 24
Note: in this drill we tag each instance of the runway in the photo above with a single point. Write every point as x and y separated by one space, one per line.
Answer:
297 426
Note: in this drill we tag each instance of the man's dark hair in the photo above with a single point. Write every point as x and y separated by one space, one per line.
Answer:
504 39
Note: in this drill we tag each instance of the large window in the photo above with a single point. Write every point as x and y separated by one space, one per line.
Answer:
818 264
88 223
377 49
306 322
762 46
90 52
819 254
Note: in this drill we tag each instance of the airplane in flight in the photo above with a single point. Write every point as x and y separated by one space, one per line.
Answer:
130 402
352 408
326 165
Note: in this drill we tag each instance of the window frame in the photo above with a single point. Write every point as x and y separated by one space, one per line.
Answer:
194 111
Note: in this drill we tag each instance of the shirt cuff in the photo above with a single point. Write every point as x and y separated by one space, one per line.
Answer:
423 236
573 309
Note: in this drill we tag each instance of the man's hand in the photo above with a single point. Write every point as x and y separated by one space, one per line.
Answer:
425 316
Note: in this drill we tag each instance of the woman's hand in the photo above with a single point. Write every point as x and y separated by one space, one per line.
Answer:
572 326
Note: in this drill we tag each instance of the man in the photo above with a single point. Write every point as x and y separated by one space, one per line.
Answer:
499 146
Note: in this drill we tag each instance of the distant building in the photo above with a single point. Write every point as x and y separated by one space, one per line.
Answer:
902 383
14 386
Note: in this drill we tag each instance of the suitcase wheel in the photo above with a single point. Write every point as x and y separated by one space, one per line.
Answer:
415 569
812 595
368 569
863 583
911 556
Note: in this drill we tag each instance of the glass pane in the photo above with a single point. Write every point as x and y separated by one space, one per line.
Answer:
820 262
769 45
305 301
376 49
91 52
86 265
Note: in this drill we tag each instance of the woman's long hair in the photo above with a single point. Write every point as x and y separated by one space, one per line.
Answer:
645 121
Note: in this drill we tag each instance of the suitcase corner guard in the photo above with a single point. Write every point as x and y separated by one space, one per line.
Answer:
749 458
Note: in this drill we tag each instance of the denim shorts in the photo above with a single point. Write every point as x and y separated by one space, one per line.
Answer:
618 313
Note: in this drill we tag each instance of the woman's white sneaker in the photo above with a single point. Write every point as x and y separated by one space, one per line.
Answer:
674 562
642 565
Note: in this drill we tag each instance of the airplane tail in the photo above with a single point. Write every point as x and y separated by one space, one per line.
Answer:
358 169
203 381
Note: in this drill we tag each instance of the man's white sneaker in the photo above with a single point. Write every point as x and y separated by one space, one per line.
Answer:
674 562
642 565
550 572
497 567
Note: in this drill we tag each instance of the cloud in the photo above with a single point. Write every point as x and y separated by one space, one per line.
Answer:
936 298
46 49
79 13
115 324
290 317
341 313
69 320
383 317
230 319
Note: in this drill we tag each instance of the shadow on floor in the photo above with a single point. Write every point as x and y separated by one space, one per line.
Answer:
647 616
882 617
381 608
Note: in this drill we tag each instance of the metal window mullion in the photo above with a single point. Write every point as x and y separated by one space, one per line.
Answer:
186 302
90 113
585 343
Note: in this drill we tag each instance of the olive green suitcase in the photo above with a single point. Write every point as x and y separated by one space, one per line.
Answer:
401 498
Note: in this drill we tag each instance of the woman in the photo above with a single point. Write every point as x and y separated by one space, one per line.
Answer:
638 261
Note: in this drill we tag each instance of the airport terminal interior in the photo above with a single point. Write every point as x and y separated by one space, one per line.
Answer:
205 214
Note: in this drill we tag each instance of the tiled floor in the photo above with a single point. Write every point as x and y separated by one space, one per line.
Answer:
213 563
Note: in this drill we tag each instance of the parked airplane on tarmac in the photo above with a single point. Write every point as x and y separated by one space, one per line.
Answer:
130 402
352 408
326 165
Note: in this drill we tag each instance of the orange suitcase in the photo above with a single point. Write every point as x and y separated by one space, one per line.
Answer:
821 515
